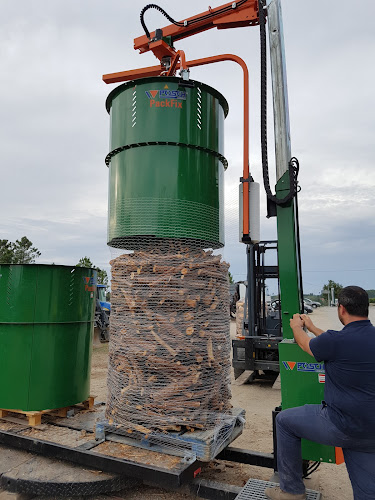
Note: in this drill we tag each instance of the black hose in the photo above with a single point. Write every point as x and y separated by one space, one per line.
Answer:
180 23
154 6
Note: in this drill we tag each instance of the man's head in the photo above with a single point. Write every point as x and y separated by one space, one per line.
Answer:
352 303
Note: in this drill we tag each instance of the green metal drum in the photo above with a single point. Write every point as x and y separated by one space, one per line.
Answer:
46 325
166 163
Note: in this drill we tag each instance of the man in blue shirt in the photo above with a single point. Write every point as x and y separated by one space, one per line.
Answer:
347 416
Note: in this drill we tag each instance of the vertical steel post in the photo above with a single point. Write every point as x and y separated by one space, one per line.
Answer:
249 305
288 245
251 289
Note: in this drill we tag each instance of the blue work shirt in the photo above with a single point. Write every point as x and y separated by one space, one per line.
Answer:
349 359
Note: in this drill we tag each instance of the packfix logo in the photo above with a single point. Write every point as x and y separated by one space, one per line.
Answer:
89 284
166 98
304 367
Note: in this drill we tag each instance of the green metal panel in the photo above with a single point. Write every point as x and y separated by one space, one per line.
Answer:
46 324
288 258
302 382
166 164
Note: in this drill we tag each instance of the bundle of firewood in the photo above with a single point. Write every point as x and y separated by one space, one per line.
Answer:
239 317
169 351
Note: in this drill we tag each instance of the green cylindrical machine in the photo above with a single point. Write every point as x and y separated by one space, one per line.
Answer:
46 325
166 163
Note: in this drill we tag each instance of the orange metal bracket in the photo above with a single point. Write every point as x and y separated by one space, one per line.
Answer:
133 74
180 56
339 455
161 49
182 64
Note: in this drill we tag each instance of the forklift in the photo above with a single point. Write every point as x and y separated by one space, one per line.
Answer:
256 349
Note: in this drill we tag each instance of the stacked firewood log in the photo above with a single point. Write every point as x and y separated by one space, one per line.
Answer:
169 360
239 317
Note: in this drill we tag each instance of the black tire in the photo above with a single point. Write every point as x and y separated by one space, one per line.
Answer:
314 306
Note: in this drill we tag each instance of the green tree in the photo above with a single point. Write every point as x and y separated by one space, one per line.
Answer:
102 277
231 280
102 274
85 262
24 252
6 252
331 284
20 252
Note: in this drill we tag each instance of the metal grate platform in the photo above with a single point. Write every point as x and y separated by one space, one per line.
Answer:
254 490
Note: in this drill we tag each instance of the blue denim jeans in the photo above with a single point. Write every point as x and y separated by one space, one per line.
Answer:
312 422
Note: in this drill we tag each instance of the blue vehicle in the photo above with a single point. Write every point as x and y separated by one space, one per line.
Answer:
101 292
102 312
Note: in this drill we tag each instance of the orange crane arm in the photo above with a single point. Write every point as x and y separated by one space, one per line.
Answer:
242 13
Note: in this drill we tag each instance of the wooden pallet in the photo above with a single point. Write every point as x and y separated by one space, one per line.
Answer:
35 417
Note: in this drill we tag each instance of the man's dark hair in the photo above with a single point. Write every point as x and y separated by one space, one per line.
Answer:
355 300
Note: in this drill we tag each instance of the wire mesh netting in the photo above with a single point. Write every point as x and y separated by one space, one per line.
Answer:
169 365
137 222
169 352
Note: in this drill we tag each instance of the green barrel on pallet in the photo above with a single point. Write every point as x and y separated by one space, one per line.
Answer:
46 325
166 162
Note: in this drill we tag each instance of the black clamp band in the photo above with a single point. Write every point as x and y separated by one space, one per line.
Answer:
113 153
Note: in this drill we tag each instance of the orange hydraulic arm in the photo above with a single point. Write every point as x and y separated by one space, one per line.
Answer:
230 15
160 42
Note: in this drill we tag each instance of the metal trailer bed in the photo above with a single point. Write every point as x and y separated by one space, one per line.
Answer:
72 440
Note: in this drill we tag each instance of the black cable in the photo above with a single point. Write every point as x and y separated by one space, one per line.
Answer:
293 165
154 6
311 469
299 261
313 466
181 23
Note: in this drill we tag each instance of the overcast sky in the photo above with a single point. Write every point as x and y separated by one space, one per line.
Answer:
54 127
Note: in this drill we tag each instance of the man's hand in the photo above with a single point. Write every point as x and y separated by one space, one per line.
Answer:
310 325
301 337
296 321
307 322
